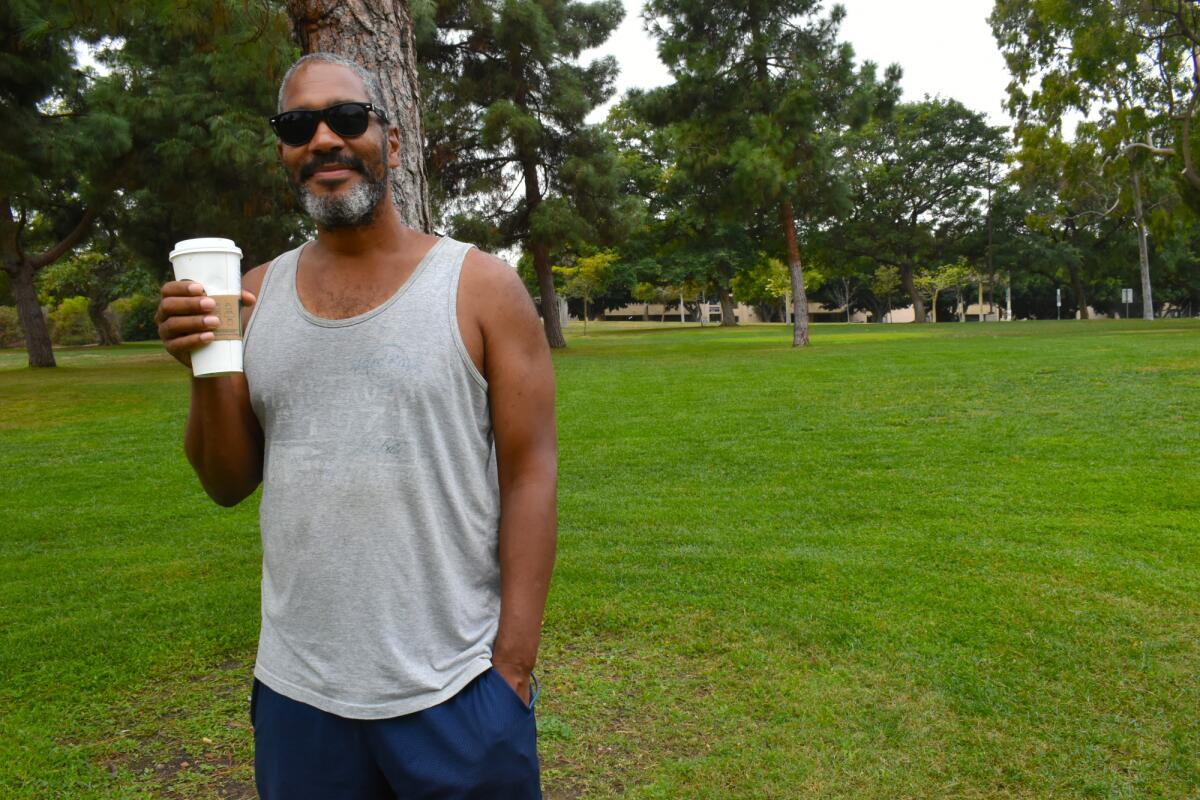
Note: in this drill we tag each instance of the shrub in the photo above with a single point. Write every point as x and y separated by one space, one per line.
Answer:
135 317
69 323
10 328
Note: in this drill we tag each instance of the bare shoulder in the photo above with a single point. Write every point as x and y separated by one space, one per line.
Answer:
505 335
494 295
252 281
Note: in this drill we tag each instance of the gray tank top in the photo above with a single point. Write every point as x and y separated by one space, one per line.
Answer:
380 507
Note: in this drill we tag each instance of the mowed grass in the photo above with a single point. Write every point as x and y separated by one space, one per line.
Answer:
937 561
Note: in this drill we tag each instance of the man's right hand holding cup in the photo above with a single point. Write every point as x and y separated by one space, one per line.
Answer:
186 318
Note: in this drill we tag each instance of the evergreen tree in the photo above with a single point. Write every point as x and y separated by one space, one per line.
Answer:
511 159
763 94
167 141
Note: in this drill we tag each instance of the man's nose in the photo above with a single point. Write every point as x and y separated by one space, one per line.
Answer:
324 138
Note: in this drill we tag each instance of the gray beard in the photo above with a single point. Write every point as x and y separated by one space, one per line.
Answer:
353 208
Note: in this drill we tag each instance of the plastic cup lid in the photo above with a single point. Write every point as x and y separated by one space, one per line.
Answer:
206 245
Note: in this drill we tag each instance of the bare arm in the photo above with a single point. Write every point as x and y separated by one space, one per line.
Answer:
223 440
520 379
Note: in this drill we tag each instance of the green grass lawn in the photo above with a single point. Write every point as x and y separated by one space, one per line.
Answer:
940 561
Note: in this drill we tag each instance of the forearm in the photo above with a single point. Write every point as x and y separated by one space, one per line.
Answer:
528 535
223 440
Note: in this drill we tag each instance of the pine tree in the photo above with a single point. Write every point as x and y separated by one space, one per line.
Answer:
512 160
763 93
167 141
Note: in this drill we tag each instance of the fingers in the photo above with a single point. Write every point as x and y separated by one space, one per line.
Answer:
185 319
174 327
183 306
182 289
248 299
181 347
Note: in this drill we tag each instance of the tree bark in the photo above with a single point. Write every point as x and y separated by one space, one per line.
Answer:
21 269
800 328
29 312
545 275
378 35
910 286
541 260
1143 248
105 330
1077 287
728 318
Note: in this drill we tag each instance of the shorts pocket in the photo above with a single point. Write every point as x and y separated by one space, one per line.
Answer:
507 689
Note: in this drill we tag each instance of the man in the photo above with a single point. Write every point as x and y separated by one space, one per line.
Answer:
398 408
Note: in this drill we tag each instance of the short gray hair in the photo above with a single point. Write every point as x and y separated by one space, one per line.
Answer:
370 82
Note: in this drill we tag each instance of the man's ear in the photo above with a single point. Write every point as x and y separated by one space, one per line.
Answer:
393 135
279 150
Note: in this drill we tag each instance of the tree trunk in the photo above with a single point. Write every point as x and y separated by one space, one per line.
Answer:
378 35
105 330
29 312
22 267
545 275
1143 249
910 286
800 328
728 318
1077 288
646 312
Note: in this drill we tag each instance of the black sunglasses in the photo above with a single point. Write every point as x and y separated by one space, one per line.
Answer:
295 128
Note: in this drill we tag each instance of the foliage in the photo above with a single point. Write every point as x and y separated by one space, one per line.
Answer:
933 282
10 328
919 179
102 275
166 140
1133 60
763 94
589 275
510 157
1131 65
884 287
70 324
767 280
135 317
587 278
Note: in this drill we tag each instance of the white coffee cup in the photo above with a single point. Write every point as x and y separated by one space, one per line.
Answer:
215 264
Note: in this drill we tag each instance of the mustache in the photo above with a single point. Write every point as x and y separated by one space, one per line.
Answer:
344 160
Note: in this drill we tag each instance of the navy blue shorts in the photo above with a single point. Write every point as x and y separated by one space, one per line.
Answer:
481 743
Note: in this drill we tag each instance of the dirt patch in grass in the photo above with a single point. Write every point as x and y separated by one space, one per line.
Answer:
186 739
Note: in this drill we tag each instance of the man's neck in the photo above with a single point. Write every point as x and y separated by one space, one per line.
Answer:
385 234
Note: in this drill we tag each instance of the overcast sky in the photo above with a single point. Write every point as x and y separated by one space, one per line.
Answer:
944 46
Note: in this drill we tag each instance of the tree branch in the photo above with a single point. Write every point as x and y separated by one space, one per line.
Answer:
68 242
1158 151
